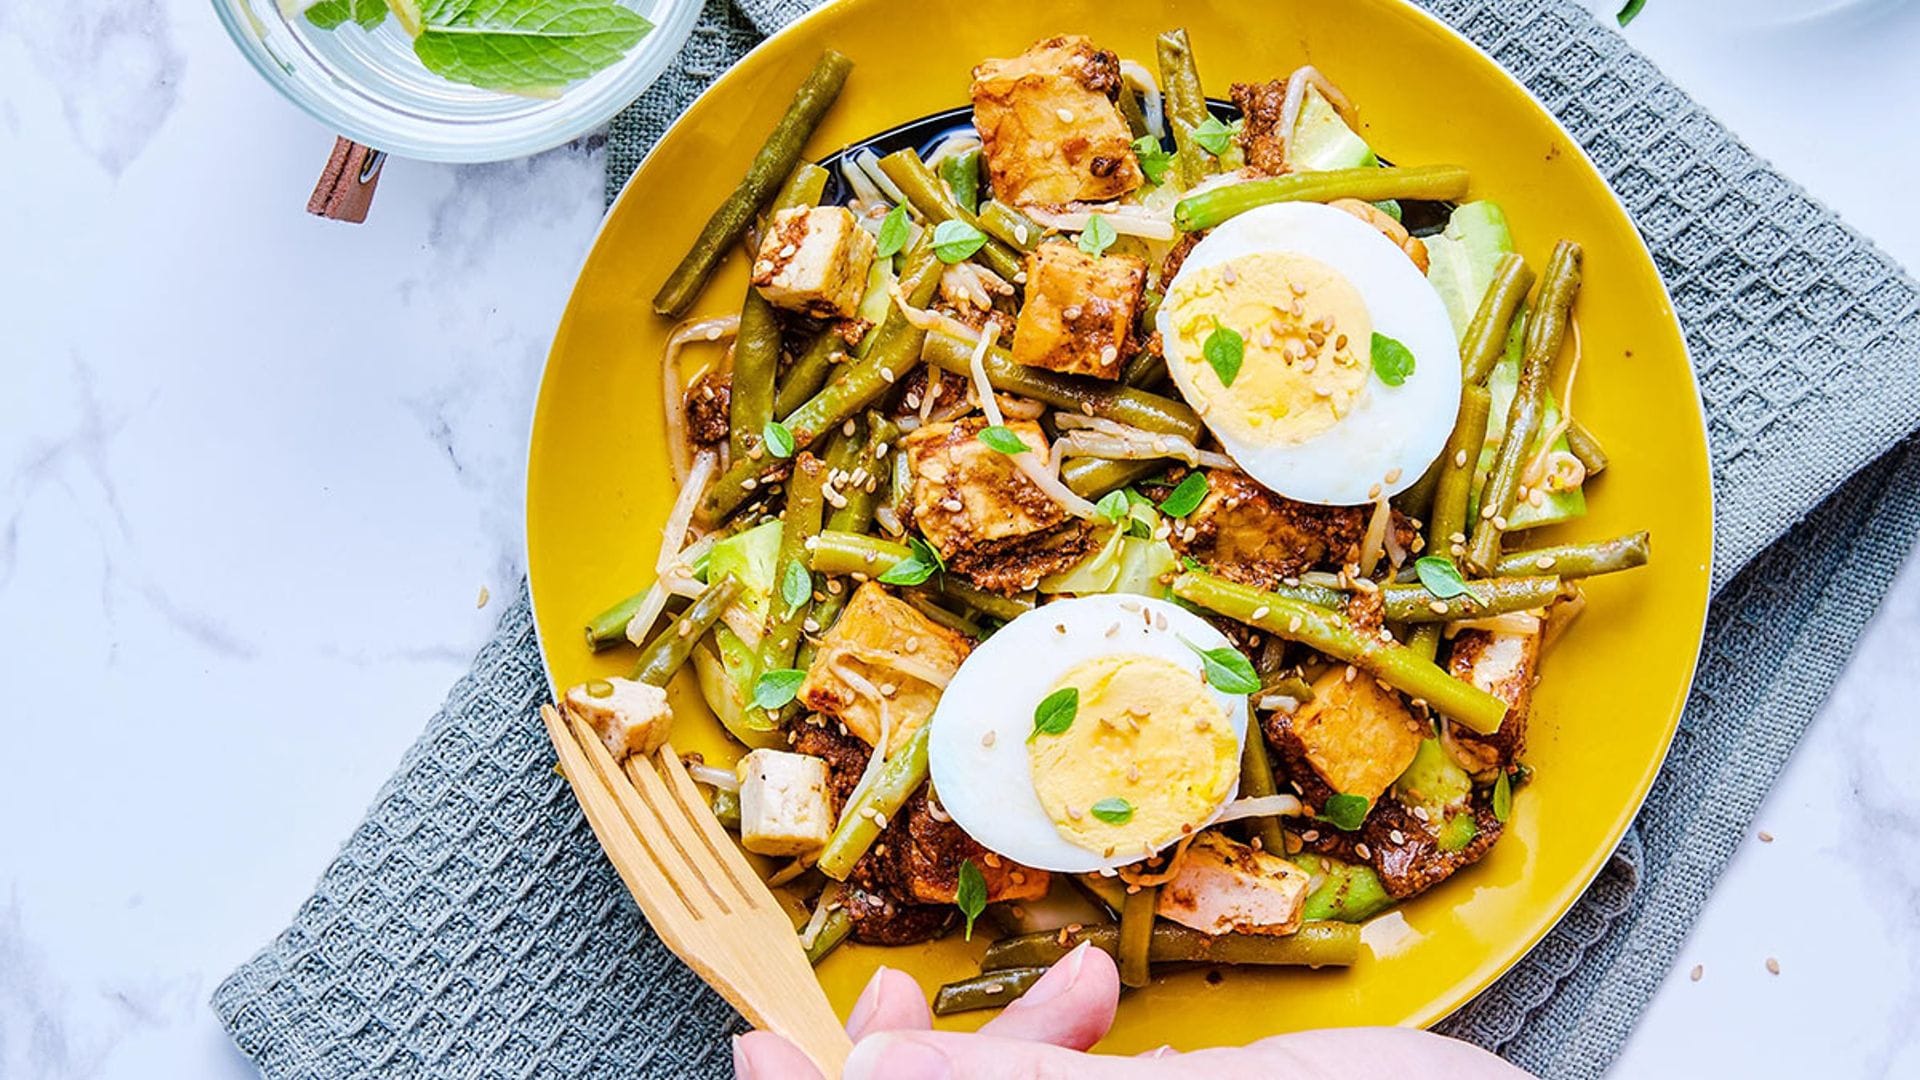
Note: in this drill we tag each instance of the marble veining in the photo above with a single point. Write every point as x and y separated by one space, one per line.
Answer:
117 66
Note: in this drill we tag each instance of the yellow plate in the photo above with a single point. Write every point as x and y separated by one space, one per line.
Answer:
598 487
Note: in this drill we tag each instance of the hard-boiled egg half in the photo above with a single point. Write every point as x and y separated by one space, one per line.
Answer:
1308 290
1148 751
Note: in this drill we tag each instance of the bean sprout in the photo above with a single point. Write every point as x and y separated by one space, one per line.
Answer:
1151 109
1127 219
679 453
1296 97
713 776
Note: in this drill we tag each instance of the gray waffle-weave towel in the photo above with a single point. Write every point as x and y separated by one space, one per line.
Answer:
471 927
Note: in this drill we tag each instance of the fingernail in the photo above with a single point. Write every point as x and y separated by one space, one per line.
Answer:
742 1063
868 1003
1058 981
896 1056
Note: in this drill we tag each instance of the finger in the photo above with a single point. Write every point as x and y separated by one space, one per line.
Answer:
892 1001
762 1055
1072 1005
1378 1052
950 1055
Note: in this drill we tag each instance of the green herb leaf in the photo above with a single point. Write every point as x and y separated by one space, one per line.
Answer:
893 233
956 241
1502 798
1193 564
1002 438
777 439
962 174
1055 712
1228 671
328 14
775 688
1345 812
1098 236
912 570
1113 811
970 896
525 45
1185 498
1113 505
1224 349
1443 579
924 551
1630 10
1213 136
796 585
1153 158
1392 361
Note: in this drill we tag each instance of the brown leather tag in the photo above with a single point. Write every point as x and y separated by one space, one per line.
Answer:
346 187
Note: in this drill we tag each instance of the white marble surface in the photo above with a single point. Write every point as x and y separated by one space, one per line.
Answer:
254 468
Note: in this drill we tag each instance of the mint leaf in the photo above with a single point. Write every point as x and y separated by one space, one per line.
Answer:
1192 564
956 241
1225 350
1213 136
522 46
916 568
893 233
1392 361
1113 505
1186 498
1442 578
1345 812
1002 438
774 689
777 439
1114 811
970 895
1097 237
962 174
1502 798
329 14
1228 671
796 585
1055 712
1153 158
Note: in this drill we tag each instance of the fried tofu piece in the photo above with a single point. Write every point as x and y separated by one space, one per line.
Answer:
1410 855
1223 886
1356 735
881 654
1080 309
1504 664
784 805
1262 105
1049 127
709 401
630 717
968 496
814 260
929 855
1248 534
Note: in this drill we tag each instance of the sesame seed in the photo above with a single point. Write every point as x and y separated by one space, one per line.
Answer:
1065 115
1293 625
1393 476
987 739
1697 972
1363 851
1310 835
1500 522
887 374
1227 275
1420 812
1487 511
1397 837
1458 538
1020 233
1351 672
1766 837
1773 966
1373 492
1059 628
848 429
1544 562
1261 612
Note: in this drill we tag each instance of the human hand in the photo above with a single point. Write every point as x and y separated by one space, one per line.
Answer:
1044 1032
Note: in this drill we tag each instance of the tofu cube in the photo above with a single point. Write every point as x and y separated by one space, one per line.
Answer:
1223 886
967 495
1246 533
630 717
1080 309
1505 665
879 655
930 858
1356 734
1049 127
784 808
814 260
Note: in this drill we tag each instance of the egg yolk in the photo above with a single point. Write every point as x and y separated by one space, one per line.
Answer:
1149 755
1307 345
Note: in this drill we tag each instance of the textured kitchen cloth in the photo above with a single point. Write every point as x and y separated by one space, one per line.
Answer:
471 926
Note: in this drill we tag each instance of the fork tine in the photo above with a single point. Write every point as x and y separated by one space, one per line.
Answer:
738 870
680 826
641 873
643 823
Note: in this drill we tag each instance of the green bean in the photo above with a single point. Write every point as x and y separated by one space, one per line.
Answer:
1136 935
1091 478
726 808
756 344
1185 104
1414 604
772 165
850 456
899 778
1486 337
1331 633
927 195
809 372
1256 780
1315 944
959 624
1586 447
1010 226
895 351
1110 892
663 653
1292 686
1123 404
1416 501
1447 517
988 990
1145 369
1369 184
609 628
853 553
798 525
961 172
1129 102
1546 330
833 930
1579 560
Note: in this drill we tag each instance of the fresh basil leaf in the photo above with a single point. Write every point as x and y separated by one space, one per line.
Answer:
775 688
956 241
1441 578
1113 811
1392 361
1055 712
1192 564
924 551
962 174
1228 670
328 14
1098 236
1153 158
1630 11
1185 498
970 895
796 585
912 570
525 45
894 231
1002 438
777 439
1502 798
1345 812
1113 505
1213 136
1225 350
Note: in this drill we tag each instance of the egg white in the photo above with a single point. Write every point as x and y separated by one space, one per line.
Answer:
1390 428
977 744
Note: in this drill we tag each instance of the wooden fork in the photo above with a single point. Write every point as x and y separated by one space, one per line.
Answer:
697 890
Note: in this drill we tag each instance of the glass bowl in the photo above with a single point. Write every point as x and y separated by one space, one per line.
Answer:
369 86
